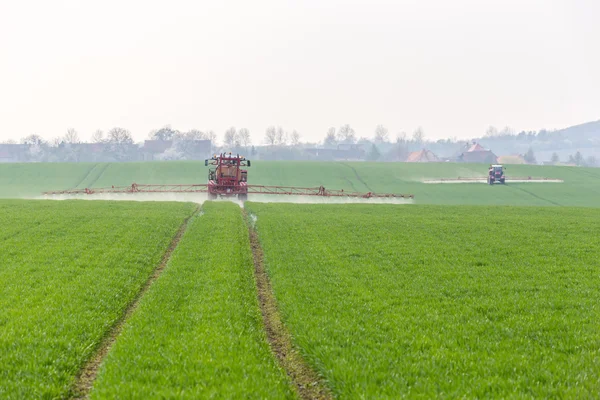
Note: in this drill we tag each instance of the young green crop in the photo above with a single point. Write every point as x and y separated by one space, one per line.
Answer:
581 186
197 333
67 271
428 301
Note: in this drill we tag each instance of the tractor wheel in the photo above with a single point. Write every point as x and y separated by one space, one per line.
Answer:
243 196
502 181
212 196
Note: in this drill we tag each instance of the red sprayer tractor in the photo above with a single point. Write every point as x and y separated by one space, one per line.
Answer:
496 174
228 177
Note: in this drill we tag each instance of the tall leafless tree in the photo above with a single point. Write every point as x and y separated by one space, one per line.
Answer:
164 133
491 131
330 137
418 136
71 136
194 134
506 131
381 134
271 136
212 136
295 138
119 136
33 140
244 138
230 138
281 136
346 134
98 136
401 137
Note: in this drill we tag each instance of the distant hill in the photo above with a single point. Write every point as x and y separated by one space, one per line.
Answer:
590 131
583 138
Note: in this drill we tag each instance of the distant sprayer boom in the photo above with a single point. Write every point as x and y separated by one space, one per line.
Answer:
228 177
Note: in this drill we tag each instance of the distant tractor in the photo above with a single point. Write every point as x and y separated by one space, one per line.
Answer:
496 174
227 178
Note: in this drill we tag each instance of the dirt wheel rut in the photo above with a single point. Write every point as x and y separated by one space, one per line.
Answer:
306 381
85 380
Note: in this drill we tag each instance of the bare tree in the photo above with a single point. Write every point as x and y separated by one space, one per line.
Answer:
506 131
98 136
346 134
491 131
381 134
295 138
212 136
244 138
400 149
120 144
194 134
230 138
418 135
281 136
164 133
401 137
71 136
330 137
57 141
33 140
271 136
119 136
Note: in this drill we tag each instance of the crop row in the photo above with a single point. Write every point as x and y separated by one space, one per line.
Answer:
197 332
68 270
425 301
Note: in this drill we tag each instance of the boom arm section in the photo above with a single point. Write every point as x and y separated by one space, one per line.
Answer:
251 189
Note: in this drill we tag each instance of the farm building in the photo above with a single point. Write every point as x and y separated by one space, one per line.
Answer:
476 153
422 156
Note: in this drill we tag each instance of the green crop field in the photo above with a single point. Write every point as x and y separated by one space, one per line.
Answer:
198 331
67 271
440 301
469 291
581 186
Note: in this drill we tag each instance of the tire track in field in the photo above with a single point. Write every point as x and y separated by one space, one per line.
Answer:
87 375
358 176
305 380
86 176
535 195
99 175
588 173
351 185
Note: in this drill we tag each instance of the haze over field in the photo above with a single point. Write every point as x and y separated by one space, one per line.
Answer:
452 67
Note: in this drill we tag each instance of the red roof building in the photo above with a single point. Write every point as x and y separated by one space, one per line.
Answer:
422 156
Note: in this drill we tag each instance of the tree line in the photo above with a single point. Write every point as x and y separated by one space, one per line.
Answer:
380 145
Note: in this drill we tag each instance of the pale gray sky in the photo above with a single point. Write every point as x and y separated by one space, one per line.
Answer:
451 66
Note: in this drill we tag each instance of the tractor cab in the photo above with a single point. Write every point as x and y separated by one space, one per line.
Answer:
496 174
226 176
